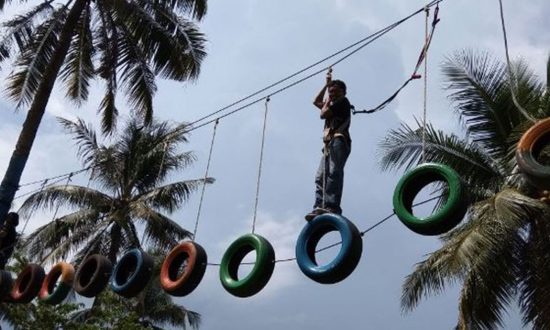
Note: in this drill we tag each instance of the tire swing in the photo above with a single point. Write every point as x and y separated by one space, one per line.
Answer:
6 284
529 148
446 217
132 273
261 272
346 260
93 275
27 284
53 294
183 269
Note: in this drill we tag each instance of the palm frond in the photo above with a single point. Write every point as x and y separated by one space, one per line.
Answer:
63 236
489 234
79 68
171 196
160 231
534 288
20 29
481 97
137 77
86 139
75 196
107 44
403 147
196 8
33 60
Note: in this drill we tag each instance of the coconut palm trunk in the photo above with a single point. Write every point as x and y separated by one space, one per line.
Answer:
20 155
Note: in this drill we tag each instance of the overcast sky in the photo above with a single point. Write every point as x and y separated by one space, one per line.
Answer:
254 43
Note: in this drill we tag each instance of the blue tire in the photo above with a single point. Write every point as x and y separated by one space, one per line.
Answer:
132 273
346 260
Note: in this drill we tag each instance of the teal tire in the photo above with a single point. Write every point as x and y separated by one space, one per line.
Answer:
261 271
344 263
447 216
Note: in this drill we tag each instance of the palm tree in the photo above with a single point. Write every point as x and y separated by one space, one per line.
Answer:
126 43
500 252
129 172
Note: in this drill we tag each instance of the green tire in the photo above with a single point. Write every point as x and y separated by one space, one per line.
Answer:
447 216
261 272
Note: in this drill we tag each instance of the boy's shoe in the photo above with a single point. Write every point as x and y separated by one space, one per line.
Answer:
317 211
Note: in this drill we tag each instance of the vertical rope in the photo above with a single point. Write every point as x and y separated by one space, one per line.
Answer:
260 166
42 186
325 169
426 38
69 178
511 75
205 177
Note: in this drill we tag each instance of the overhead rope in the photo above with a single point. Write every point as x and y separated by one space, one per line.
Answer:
191 127
357 45
39 189
204 180
72 173
511 76
260 166
414 75
426 38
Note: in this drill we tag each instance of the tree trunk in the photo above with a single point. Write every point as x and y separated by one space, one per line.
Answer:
20 155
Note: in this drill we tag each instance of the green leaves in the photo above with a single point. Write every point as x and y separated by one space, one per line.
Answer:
131 41
130 174
500 252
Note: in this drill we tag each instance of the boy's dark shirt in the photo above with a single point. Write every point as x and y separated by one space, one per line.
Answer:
339 120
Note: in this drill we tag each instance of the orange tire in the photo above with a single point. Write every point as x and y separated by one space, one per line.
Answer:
52 294
181 283
529 147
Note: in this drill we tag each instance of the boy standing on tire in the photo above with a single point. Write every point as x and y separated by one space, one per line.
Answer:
329 180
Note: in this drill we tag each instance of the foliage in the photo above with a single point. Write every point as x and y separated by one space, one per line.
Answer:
499 253
125 44
130 174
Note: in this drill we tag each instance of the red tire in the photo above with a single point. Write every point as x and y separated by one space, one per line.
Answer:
181 283
529 147
27 284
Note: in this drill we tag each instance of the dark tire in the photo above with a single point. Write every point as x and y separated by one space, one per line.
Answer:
6 285
27 284
93 276
529 147
260 274
344 263
182 283
132 273
446 217
52 294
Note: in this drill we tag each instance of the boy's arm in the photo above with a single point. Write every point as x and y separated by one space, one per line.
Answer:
318 102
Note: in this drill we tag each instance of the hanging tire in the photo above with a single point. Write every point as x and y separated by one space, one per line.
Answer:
192 258
27 284
93 275
446 217
261 272
6 285
529 147
53 294
132 273
346 260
